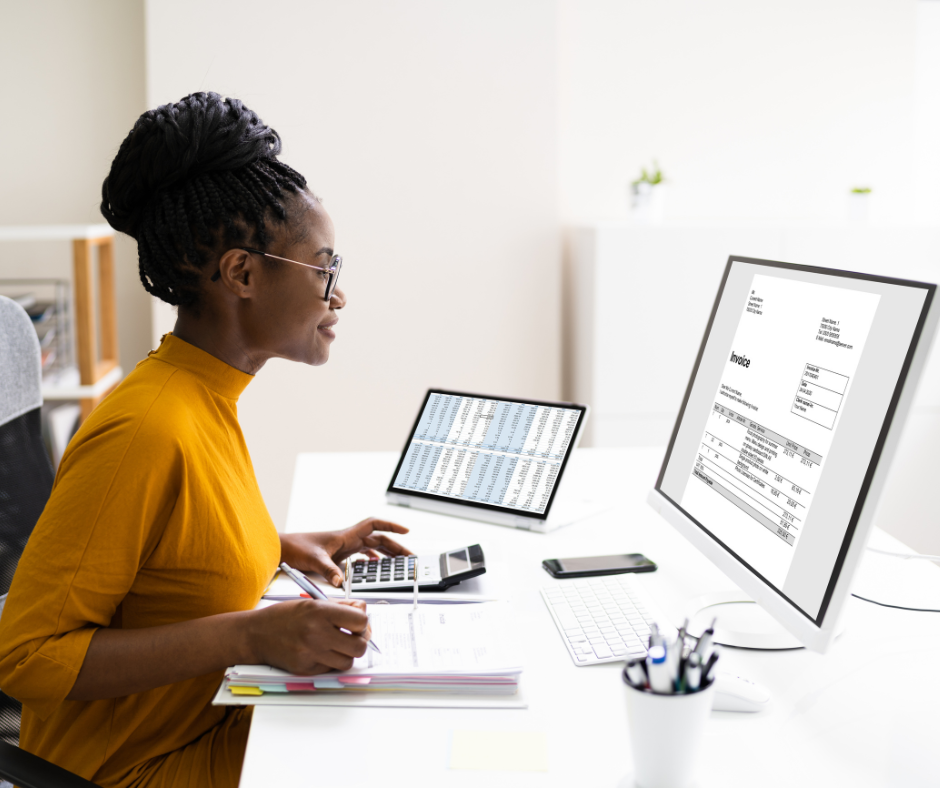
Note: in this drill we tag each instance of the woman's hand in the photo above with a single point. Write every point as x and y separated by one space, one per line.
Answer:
322 551
304 637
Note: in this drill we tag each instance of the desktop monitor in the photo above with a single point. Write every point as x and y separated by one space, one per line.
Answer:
788 425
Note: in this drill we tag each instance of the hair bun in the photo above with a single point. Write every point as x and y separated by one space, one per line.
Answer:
177 142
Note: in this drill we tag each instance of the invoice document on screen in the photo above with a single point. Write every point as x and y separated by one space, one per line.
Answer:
775 414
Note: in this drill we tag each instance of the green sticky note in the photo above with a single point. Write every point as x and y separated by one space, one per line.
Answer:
499 751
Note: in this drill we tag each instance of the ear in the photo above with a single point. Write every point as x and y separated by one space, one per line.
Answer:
238 272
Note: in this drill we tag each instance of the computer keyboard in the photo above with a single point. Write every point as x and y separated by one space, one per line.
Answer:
603 619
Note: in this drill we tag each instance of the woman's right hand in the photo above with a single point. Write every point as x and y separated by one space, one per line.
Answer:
304 637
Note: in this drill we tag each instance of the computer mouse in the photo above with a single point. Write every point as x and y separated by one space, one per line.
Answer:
734 693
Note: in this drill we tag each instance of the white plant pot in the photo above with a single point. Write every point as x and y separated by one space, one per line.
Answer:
859 207
648 202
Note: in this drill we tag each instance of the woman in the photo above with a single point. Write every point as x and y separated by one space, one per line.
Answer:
138 585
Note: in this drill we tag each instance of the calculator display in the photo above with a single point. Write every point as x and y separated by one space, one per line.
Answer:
458 562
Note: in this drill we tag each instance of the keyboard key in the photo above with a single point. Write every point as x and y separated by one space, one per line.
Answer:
576 637
619 651
565 617
602 651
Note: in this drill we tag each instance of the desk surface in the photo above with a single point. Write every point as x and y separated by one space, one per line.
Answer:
828 723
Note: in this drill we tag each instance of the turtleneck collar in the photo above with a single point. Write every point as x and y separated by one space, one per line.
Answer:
212 372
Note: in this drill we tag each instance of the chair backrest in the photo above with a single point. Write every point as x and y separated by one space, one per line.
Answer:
20 362
25 470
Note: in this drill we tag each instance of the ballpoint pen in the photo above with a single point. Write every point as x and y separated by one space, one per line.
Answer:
660 680
704 645
315 593
346 580
636 672
693 672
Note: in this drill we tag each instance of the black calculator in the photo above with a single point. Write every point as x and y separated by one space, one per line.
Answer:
435 572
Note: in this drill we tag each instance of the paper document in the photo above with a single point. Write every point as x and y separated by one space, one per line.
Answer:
437 639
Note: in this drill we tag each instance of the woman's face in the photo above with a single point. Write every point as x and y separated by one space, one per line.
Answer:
299 324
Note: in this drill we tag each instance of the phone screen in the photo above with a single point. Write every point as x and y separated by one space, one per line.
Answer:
596 562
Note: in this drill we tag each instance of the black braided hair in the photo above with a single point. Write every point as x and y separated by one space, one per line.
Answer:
192 176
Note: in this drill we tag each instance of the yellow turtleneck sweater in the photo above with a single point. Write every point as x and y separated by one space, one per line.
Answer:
155 517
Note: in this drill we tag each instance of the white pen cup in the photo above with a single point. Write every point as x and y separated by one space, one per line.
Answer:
666 733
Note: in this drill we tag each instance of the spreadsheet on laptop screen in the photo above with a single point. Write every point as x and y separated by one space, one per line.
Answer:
486 451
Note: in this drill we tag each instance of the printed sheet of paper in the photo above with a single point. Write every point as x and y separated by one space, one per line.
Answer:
438 639
786 380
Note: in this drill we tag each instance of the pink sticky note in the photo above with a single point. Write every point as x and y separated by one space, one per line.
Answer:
354 679
296 686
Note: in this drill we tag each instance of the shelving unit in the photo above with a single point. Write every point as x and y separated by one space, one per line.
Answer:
95 340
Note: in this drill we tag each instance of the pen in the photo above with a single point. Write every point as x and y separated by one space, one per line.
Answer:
658 671
705 642
315 593
707 670
346 580
656 639
636 672
693 672
674 655
414 592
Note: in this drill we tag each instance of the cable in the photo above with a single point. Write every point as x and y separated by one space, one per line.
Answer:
898 607
905 556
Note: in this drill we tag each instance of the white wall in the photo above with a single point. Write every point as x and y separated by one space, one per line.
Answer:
754 110
428 128
71 87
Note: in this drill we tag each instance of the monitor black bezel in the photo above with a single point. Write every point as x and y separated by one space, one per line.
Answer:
879 443
582 410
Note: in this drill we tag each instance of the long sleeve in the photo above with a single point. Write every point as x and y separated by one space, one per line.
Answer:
110 502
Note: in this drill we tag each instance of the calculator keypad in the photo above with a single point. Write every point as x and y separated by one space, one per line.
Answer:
400 569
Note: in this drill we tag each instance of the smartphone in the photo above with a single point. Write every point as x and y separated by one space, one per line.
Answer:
594 565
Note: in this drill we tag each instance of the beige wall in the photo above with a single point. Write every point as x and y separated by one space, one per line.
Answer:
428 128
754 110
71 86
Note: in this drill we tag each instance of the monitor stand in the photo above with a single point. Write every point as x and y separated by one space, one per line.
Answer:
741 622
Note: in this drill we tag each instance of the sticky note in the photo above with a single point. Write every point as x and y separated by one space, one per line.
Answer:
499 751
245 690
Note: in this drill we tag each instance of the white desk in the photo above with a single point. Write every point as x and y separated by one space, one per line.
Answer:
828 724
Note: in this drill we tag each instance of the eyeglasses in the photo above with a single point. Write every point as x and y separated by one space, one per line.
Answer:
336 264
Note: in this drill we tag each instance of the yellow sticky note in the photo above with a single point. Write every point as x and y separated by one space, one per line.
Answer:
499 751
245 691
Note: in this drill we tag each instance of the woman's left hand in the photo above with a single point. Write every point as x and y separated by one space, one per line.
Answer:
322 551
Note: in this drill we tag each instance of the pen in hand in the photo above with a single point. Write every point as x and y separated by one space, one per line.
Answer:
306 585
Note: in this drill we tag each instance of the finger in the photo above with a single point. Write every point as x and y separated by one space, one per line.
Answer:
333 574
369 553
347 617
359 604
319 561
386 545
384 525
336 661
348 645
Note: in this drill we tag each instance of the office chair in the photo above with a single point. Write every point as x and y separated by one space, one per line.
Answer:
25 484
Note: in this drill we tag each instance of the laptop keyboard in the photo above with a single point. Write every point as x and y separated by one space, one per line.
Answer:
603 619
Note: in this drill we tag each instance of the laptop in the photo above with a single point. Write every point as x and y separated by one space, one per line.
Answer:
497 459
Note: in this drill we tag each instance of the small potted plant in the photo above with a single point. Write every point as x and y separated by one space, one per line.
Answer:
647 195
859 202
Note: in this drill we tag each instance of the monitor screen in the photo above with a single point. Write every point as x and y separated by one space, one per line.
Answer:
785 415
488 452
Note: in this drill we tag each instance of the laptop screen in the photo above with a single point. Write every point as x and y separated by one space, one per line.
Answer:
489 452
